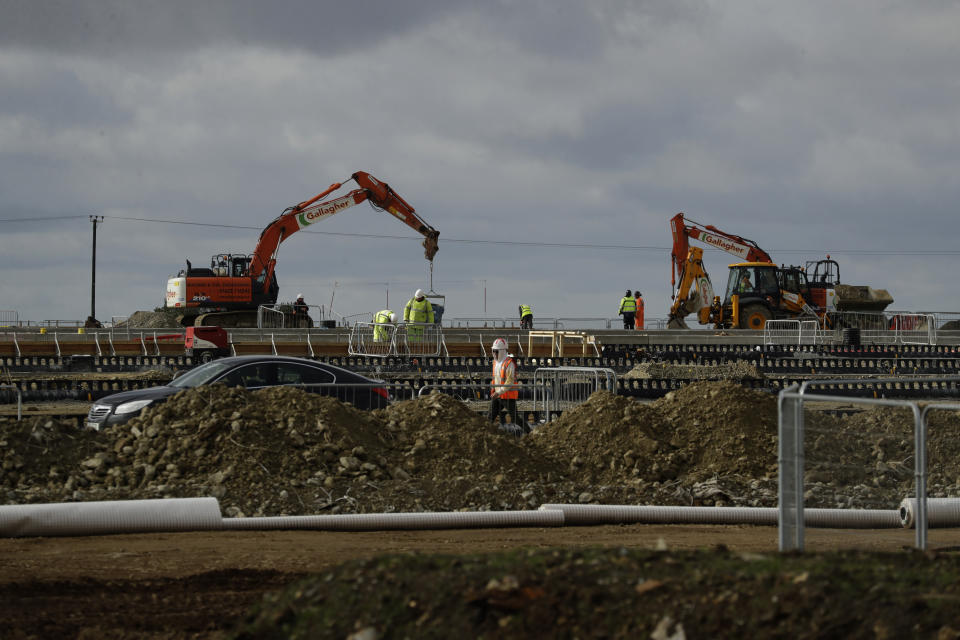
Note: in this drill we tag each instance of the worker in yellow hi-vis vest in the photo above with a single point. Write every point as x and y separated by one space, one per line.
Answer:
418 311
380 321
628 309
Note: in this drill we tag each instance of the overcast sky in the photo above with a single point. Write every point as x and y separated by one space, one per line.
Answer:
550 142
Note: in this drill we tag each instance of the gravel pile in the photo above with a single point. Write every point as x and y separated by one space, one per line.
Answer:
283 451
150 320
736 370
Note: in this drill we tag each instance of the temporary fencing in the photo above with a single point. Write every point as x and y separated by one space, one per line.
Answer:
881 328
372 339
557 389
408 339
281 316
553 390
799 462
789 332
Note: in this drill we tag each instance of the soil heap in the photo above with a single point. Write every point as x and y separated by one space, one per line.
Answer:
284 451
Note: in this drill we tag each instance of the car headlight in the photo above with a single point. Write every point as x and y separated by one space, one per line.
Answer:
130 407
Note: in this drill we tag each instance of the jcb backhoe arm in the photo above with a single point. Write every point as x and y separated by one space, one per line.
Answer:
695 293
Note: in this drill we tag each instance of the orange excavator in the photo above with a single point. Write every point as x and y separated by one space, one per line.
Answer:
233 288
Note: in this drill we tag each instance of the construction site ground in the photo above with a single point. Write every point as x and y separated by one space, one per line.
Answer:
285 452
206 584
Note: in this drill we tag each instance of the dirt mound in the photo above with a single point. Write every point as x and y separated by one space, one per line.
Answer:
284 451
150 320
692 434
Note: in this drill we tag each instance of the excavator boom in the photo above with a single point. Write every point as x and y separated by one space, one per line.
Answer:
309 212
239 284
685 230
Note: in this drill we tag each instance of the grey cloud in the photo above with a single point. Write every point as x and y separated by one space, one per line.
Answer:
57 96
119 27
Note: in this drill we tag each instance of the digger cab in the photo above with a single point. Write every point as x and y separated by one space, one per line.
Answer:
752 280
761 291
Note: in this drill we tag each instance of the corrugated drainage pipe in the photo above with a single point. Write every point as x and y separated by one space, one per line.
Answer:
115 516
407 521
593 514
941 512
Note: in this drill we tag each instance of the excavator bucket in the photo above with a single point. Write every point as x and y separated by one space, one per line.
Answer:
430 246
677 323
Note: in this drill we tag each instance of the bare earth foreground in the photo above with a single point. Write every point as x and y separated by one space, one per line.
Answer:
204 584
284 452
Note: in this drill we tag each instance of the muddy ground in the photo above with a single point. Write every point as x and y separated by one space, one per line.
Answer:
281 451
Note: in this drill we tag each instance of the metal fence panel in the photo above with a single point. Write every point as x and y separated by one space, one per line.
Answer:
9 317
810 332
269 317
562 388
915 328
793 460
784 332
419 339
372 339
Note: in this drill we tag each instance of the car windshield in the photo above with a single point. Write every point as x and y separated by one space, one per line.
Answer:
200 375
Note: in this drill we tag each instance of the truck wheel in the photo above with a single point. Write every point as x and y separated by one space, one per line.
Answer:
754 316
206 357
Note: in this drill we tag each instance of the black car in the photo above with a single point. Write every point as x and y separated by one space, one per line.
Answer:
251 372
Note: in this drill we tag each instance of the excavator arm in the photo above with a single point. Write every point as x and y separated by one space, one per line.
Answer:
685 230
308 212
695 293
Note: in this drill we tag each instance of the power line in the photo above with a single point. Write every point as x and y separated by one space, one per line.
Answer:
41 219
518 243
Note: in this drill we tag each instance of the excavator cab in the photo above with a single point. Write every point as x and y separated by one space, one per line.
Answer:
761 291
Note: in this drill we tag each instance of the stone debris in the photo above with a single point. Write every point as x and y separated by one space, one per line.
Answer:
282 451
736 370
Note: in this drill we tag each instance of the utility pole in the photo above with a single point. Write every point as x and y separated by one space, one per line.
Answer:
93 269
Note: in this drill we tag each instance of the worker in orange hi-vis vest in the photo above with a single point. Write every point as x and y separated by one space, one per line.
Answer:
638 319
503 393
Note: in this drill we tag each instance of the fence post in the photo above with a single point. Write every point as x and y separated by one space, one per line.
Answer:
790 469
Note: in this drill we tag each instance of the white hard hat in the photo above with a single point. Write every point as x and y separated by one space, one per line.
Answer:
499 345
299 295
393 317
418 294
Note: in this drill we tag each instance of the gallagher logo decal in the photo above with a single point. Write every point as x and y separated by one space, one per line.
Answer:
309 216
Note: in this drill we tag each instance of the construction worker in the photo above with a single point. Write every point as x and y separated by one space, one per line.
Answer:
300 316
503 393
380 319
638 319
628 309
526 317
418 311
745 284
